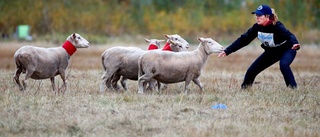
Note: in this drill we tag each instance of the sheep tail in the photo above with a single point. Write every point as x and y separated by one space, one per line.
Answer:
140 72
104 67
104 56
17 61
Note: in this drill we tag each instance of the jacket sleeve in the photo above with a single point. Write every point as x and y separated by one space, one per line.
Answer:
243 40
285 33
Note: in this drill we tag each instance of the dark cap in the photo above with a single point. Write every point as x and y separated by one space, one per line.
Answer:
263 10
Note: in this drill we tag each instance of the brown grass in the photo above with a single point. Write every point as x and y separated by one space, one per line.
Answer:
268 109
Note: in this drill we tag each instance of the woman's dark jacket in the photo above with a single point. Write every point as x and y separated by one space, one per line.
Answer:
273 37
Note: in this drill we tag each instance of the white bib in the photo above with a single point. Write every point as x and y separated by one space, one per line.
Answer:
267 39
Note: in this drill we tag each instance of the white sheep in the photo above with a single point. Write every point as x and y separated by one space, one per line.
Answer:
175 48
154 44
173 67
43 63
118 58
123 62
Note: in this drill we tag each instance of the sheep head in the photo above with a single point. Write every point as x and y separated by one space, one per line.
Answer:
177 46
155 42
210 45
177 37
78 41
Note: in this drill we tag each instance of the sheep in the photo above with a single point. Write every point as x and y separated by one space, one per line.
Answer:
173 67
174 37
43 63
154 44
123 62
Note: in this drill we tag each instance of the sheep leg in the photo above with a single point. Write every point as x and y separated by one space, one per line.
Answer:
123 82
159 86
145 85
102 87
164 86
140 86
114 82
63 77
197 82
52 84
187 82
16 78
186 87
108 83
107 77
141 81
105 83
29 72
151 85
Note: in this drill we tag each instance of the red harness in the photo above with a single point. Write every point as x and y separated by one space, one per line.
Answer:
68 46
167 47
152 47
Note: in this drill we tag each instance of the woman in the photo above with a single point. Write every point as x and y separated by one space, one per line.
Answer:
278 42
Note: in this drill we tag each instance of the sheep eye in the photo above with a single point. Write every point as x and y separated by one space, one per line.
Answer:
79 37
176 38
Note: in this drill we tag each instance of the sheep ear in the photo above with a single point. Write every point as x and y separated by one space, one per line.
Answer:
147 40
200 39
74 35
165 35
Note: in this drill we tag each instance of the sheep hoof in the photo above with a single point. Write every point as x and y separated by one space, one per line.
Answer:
140 92
102 88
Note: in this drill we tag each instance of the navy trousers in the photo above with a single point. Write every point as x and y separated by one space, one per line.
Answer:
268 58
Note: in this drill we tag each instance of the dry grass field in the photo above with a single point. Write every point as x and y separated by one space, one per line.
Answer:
267 109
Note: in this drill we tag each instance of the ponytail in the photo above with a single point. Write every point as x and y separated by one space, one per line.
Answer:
274 17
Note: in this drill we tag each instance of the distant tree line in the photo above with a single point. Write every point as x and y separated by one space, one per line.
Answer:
153 17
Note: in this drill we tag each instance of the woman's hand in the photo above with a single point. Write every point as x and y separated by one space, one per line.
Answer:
222 54
295 46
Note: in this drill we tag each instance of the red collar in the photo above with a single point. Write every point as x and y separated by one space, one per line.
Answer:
152 47
68 46
167 47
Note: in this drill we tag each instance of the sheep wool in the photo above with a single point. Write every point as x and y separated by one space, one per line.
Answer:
43 63
69 47
167 47
152 47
